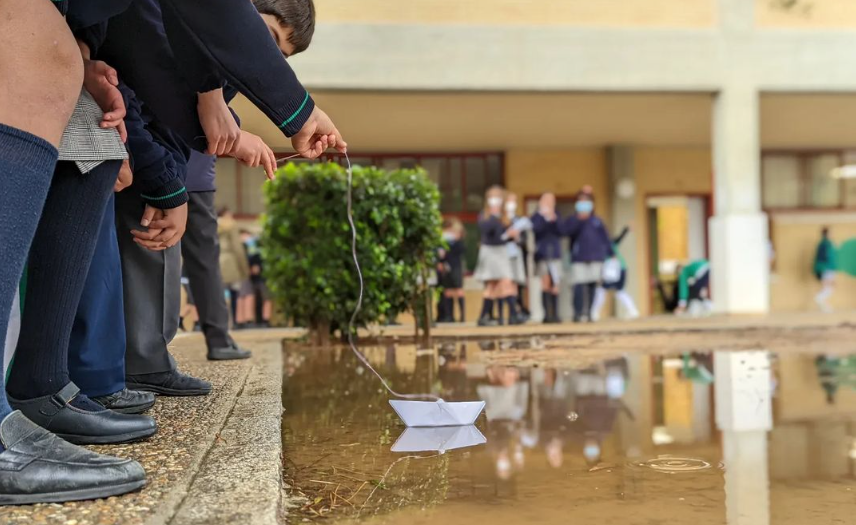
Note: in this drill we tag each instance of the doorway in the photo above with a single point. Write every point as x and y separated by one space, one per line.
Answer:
677 234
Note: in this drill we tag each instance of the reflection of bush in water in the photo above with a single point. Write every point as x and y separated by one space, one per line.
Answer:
329 404
422 482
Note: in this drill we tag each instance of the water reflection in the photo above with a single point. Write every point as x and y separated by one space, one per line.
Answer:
638 438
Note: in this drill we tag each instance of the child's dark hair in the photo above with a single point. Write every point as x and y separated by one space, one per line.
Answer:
297 15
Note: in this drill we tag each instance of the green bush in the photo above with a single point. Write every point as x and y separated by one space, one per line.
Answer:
307 242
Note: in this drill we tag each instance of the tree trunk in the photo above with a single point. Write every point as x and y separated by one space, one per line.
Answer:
319 333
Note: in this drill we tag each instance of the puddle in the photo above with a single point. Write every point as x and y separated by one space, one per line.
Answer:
748 438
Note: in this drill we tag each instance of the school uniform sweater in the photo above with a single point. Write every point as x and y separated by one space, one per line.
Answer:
590 241
691 272
547 237
825 259
492 230
169 50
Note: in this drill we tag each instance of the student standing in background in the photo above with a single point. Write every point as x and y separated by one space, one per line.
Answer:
548 255
825 266
590 247
494 265
450 272
517 251
618 285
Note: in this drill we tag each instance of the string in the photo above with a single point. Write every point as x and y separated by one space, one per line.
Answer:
359 306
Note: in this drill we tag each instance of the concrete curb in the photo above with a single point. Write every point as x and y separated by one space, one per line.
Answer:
240 477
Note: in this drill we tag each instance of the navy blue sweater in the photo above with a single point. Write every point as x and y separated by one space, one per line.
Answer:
547 237
590 241
492 229
168 50
157 156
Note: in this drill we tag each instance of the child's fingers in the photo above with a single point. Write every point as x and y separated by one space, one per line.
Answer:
165 235
147 235
151 245
148 215
161 224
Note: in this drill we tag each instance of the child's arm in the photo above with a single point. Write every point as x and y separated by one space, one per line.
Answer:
222 130
158 171
227 38
621 235
684 286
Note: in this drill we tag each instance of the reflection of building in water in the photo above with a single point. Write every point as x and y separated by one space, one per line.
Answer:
744 415
815 418
684 396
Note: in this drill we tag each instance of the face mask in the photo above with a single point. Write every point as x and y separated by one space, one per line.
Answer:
614 385
494 202
584 206
591 452
449 236
511 208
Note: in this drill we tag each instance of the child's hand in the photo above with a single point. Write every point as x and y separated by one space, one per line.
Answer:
102 81
165 228
253 152
318 134
126 177
219 125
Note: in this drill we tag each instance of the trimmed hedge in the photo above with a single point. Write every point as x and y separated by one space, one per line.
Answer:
307 242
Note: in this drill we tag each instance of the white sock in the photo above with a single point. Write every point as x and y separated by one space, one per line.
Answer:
823 296
629 306
597 303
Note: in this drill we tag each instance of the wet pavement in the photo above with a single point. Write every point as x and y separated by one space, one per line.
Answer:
746 437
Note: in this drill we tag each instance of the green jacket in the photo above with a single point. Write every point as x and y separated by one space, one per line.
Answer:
825 259
692 270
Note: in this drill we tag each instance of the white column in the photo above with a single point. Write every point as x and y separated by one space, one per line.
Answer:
738 231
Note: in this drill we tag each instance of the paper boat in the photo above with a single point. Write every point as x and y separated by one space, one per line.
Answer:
438 439
437 413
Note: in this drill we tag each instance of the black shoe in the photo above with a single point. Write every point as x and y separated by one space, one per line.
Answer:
172 383
83 427
226 353
552 320
39 467
127 401
487 321
517 319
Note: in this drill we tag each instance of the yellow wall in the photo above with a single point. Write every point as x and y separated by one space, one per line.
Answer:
630 13
664 171
795 236
812 14
564 172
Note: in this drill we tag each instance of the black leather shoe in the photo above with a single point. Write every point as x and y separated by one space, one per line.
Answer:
172 383
82 427
39 467
228 353
487 321
127 401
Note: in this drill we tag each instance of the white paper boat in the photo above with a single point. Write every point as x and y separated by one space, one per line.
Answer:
439 439
437 413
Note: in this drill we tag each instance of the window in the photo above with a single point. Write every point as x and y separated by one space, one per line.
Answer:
807 180
462 179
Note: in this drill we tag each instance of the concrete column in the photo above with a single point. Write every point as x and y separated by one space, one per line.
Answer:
622 179
740 269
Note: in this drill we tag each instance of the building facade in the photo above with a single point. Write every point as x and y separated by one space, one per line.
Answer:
713 128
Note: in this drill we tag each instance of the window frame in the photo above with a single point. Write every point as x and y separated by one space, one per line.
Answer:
803 157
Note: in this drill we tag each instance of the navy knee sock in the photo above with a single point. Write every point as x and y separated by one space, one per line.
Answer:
461 306
26 166
56 272
487 309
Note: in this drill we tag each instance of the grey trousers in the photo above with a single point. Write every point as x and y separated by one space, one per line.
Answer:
152 290
200 248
